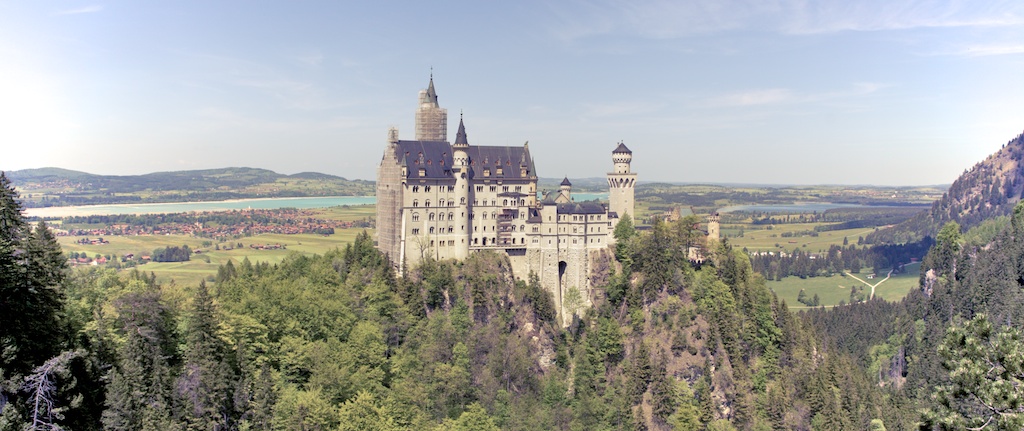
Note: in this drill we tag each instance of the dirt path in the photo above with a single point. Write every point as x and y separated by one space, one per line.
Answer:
873 286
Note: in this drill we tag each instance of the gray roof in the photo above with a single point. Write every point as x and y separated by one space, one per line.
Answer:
431 94
510 159
622 149
588 207
565 182
435 158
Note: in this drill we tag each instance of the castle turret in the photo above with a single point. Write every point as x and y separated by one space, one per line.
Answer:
621 182
460 169
713 227
431 118
565 189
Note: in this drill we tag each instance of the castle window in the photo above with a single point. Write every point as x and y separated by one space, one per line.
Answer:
451 216
451 202
522 227
462 201
494 188
431 230
430 217
476 202
504 202
427 203
475 241
451 242
415 189
451 229
494 202
426 189
522 202
423 172
500 172
415 216
416 231
519 188
504 188
487 172
431 243
415 202
479 188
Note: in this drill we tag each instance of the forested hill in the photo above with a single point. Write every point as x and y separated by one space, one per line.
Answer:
58 187
987 190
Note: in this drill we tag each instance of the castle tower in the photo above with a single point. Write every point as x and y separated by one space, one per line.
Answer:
565 189
713 227
621 182
460 169
431 118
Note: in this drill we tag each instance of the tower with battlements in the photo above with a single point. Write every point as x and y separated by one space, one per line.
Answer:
621 182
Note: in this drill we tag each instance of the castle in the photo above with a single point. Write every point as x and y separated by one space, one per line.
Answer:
446 200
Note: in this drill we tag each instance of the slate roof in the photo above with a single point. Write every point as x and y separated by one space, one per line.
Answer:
622 149
434 157
588 207
565 182
508 158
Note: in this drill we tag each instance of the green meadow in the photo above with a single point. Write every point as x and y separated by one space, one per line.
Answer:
204 264
832 290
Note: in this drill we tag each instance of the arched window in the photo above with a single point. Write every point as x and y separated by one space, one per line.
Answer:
415 216
431 229
431 217
504 202
451 216
415 202
427 203
451 229
462 201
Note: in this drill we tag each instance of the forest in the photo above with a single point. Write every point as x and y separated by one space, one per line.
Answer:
339 341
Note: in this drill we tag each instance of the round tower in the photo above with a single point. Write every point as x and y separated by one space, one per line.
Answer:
713 227
621 182
460 170
565 189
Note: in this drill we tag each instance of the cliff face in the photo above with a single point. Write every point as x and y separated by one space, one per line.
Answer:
988 189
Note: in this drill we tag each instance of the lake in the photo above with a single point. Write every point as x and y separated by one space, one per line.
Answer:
802 207
239 204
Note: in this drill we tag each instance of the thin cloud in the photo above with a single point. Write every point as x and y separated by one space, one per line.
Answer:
663 19
777 96
87 9
986 50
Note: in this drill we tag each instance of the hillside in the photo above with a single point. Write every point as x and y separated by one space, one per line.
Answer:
60 187
989 189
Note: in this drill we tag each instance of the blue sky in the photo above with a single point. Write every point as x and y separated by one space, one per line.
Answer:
783 92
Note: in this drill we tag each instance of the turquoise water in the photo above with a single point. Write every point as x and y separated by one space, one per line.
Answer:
240 204
793 208
180 207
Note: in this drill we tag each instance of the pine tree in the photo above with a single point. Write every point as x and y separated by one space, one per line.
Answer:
205 385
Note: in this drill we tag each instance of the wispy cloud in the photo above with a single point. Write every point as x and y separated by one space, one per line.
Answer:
81 10
664 19
777 96
985 50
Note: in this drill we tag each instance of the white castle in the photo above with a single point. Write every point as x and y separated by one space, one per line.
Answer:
446 200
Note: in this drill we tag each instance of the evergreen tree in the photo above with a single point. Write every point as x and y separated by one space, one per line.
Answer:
205 386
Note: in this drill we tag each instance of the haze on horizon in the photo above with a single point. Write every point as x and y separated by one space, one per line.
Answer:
788 92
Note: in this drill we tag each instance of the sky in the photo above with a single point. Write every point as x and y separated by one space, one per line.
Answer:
718 91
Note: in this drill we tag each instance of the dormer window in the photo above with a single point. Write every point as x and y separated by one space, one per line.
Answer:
423 172
487 172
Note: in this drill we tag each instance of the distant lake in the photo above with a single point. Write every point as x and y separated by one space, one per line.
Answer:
182 207
803 207
239 204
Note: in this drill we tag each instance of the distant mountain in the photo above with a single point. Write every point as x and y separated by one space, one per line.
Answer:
989 189
59 187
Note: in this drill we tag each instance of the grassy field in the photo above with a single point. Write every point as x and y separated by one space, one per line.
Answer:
762 239
204 265
831 290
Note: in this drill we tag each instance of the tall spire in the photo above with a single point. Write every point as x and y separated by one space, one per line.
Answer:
431 94
460 136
